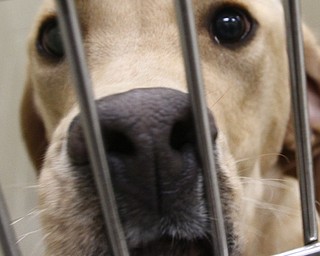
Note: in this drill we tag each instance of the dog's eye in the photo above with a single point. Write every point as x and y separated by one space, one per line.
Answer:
50 41
230 25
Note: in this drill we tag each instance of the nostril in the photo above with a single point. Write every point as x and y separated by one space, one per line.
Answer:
118 143
115 142
182 134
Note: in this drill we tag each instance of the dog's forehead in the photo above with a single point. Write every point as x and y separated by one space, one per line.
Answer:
109 9
136 4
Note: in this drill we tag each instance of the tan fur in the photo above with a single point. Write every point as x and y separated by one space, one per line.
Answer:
135 44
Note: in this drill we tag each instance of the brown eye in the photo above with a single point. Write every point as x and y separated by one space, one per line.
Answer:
230 25
49 42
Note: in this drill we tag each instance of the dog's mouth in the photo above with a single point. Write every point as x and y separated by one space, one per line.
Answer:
168 246
182 229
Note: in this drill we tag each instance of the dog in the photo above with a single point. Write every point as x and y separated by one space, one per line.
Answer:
136 64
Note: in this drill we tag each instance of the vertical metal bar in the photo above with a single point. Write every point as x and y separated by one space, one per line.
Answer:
75 53
301 119
191 54
7 235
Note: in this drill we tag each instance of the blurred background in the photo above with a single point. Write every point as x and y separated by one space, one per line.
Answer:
16 175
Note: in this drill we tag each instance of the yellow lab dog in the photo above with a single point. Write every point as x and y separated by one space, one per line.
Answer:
135 60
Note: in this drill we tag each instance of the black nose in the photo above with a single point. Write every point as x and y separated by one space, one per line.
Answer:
150 142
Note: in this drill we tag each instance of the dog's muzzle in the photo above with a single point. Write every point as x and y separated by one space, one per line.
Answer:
150 142
151 145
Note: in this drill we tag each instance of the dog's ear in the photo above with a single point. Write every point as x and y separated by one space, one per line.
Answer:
312 55
312 62
32 126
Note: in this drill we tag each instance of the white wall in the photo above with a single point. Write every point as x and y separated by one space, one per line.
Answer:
16 175
311 10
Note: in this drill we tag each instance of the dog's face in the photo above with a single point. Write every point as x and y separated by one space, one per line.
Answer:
135 60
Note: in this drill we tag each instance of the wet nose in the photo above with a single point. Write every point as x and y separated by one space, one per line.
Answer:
150 141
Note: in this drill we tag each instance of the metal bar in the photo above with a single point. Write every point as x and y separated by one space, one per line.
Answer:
191 54
310 250
301 120
7 235
75 53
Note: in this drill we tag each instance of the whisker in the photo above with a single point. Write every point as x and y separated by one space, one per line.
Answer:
22 186
33 213
274 183
261 156
211 106
273 208
21 238
17 220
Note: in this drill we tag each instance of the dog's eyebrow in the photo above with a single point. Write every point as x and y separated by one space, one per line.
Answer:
47 17
270 3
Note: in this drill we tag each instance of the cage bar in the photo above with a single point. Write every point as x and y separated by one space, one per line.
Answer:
72 38
310 250
195 83
74 49
7 234
301 120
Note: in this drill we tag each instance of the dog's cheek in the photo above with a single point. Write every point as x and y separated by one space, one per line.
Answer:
70 212
72 222
231 193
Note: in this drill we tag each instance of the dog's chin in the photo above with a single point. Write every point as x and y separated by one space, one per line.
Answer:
173 247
